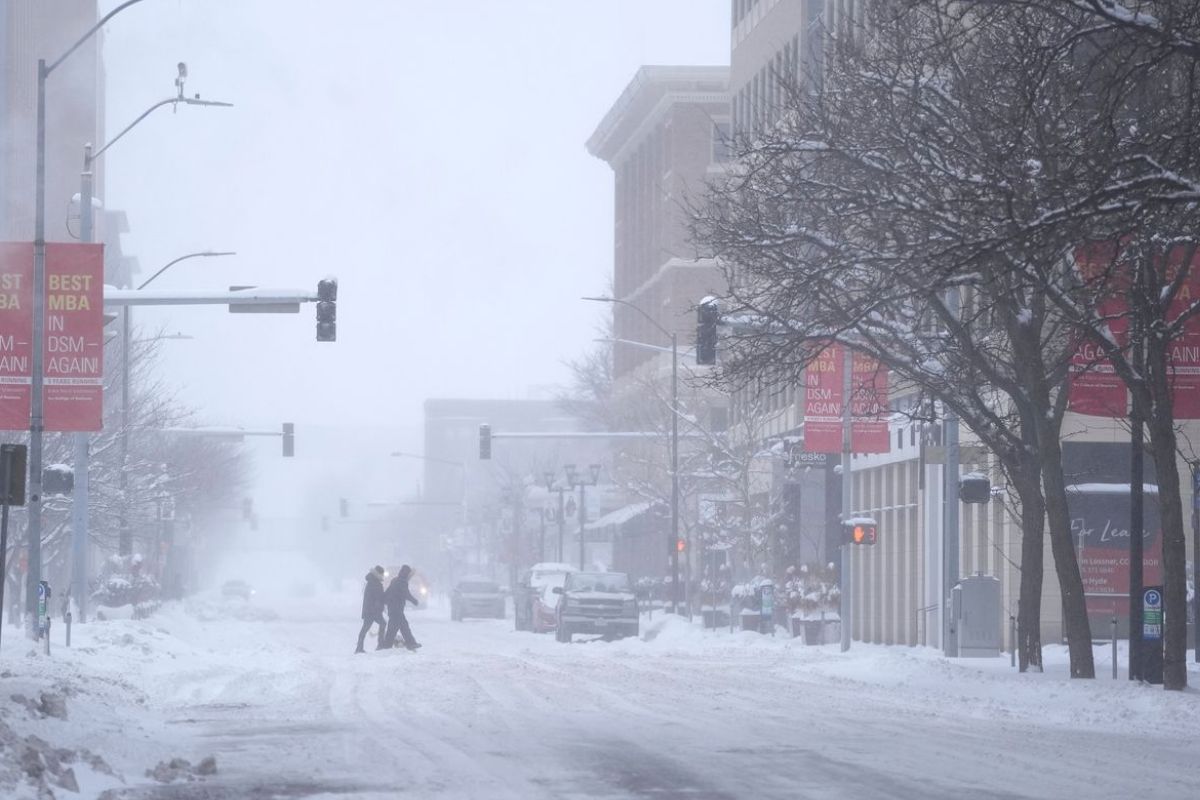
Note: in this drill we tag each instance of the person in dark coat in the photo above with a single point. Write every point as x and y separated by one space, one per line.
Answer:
372 608
396 596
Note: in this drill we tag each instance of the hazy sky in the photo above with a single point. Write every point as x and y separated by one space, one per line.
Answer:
429 154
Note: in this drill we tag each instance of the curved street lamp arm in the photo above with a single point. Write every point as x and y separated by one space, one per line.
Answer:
651 319
169 264
91 31
168 102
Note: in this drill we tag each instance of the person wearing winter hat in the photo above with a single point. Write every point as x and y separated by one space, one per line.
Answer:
396 596
372 608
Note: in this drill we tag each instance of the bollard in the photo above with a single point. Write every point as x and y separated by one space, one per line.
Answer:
68 619
1114 641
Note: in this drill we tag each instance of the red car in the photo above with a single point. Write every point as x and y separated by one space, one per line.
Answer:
543 602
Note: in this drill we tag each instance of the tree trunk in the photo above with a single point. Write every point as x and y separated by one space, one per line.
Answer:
1027 481
1066 564
1160 422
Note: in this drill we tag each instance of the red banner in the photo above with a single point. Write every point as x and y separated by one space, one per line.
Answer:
74 337
868 406
823 403
1095 389
73 366
16 334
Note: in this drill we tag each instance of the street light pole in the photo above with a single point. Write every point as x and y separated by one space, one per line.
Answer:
125 541
79 505
37 379
672 546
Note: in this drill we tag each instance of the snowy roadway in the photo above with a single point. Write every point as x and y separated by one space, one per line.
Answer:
485 712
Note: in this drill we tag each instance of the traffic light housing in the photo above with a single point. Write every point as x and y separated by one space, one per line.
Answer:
289 439
974 489
860 532
708 314
327 310
485 442
58 480
14 493
680 545
344 507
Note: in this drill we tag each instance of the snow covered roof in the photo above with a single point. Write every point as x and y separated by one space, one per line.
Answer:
553 566
620 516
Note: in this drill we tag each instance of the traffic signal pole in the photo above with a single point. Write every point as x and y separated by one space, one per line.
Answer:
846 609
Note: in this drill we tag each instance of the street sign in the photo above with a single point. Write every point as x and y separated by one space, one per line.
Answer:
967 454
1150 649
43 602
1152 614
73 365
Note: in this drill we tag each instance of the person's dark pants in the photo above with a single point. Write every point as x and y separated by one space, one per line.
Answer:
366 626
399 623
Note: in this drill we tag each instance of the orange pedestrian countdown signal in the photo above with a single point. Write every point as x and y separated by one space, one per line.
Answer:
862 533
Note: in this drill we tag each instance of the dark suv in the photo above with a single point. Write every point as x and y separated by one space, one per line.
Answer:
600 603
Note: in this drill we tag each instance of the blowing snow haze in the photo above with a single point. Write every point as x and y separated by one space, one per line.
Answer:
430 155
570 399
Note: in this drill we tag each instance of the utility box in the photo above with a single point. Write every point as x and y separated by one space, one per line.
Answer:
975 603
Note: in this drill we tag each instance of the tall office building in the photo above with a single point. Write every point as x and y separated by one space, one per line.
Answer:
29 30
662 137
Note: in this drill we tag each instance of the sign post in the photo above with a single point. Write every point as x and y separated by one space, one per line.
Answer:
1196 561
767 614
43 612
1151 633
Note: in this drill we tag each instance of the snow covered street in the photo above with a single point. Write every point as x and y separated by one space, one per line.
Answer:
273 691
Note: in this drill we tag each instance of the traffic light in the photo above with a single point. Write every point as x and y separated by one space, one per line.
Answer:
327 310
680 545
485 442
289 439
707 316
344 507
860 531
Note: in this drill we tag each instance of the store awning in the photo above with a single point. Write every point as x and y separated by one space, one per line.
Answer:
620 516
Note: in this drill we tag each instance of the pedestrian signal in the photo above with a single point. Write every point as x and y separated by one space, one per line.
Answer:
861 532
680 545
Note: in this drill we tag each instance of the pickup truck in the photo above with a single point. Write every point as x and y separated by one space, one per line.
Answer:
599 603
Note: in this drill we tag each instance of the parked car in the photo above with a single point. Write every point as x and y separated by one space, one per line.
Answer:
236 588
600 603
544 616
529 600
475 596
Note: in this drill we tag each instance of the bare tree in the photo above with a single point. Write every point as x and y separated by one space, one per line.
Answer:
914 206
1143 59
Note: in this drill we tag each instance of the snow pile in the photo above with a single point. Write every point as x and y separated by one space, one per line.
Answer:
83 721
